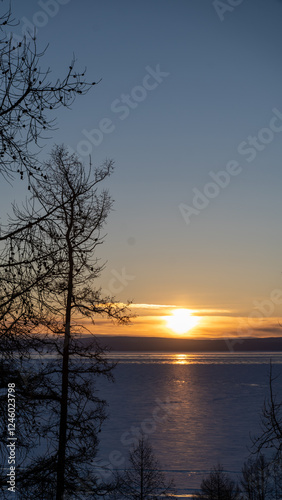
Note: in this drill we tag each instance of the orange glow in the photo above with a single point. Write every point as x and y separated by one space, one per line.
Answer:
157 320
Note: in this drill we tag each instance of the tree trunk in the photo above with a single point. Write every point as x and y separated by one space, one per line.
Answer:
65 379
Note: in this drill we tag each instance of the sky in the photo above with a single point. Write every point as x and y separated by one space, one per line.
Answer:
189 107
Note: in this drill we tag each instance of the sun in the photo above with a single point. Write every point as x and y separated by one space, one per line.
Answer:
181 321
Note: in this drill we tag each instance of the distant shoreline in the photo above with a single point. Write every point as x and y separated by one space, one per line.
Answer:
159 344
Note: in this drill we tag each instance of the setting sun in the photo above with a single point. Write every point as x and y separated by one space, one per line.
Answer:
181 321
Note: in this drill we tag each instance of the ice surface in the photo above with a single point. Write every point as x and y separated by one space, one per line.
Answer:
211 405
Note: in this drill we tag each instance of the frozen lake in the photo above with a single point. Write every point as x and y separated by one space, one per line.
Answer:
197 409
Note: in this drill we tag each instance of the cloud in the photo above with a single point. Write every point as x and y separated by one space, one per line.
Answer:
151 306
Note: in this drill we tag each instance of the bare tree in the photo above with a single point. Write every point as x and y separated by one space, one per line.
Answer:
218 486
143 479
270 437
256 479
27 97
47 294
271 424
276 480
33 321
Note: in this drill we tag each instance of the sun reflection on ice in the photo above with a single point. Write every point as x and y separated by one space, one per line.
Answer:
181 359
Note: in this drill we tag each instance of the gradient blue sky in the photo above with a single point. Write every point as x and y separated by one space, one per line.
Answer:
225 78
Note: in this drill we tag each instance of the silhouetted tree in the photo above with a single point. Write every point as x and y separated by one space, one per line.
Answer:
27 97
218 486
256 479
47 296
143 479
271 424
270 438
28 100
276 480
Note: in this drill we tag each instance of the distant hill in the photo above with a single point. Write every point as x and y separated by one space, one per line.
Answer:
157 344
